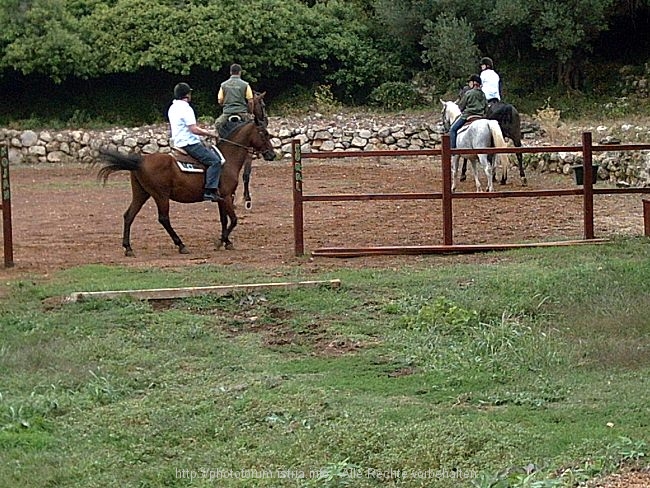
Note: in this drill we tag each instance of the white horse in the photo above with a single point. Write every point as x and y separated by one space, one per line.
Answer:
475 135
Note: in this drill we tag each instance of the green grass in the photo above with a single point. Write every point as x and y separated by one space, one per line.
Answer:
441 374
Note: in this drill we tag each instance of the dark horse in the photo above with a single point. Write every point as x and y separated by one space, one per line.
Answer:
159 176
510 123
259 115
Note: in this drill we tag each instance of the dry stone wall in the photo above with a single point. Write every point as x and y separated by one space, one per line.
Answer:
334 133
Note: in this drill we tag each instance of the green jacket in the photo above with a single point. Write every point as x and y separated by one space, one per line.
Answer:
473 103
234 91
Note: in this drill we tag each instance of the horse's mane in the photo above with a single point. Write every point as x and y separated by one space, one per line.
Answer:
452 109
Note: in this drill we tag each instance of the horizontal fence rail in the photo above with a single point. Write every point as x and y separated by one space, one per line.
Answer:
445 152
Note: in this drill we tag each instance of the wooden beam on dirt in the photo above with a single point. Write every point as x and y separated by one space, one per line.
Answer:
173 293
353 252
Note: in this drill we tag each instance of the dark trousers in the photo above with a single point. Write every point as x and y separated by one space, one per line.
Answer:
453 130
211 160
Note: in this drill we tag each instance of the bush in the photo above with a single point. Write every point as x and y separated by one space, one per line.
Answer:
395 95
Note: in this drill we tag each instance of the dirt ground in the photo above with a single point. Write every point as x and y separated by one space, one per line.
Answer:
62 217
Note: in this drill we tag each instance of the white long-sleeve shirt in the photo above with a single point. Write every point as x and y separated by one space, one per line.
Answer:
490 84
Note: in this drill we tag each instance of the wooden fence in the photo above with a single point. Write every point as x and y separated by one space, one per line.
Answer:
587 191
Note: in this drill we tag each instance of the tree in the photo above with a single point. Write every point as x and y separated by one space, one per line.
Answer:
567 30
44 38
450 49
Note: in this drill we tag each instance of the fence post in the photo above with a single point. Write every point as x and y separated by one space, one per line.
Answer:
447 208
298 232
6 207
588 185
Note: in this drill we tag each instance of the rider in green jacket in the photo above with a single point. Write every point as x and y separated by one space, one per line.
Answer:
473 102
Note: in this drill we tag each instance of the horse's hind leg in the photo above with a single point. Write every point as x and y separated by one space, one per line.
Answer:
163 218
463 171
520 163
489 171
477 180
139 197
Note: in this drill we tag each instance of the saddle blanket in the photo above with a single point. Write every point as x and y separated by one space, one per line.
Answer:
187 167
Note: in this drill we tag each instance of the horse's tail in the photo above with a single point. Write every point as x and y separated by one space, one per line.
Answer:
497 134
114 161
498 141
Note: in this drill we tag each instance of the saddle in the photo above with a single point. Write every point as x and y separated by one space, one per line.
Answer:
188 164
468 122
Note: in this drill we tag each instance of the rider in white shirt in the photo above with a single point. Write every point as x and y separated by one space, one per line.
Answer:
185 135
490 81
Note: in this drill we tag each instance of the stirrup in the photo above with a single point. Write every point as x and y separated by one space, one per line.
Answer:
212 196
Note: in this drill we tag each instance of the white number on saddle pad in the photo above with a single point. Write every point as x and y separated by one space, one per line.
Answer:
187 167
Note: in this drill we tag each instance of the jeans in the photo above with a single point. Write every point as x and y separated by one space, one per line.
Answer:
211 160
453 130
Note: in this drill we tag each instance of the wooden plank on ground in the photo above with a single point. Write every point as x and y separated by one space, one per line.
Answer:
351 252
172 293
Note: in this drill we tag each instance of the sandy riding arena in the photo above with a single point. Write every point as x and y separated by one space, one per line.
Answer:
62 216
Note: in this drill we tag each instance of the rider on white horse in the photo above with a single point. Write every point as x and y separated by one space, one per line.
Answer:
473 102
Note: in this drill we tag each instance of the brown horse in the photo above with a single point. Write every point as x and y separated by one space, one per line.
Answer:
160 176
261 119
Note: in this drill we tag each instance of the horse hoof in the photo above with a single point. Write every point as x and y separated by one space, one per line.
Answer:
183 250
524 182
248 205
463 178
229 246
129 253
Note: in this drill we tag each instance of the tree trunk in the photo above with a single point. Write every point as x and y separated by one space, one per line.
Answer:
569 74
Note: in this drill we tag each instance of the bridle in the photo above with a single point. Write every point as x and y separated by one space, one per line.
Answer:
445 120
250 149
261 120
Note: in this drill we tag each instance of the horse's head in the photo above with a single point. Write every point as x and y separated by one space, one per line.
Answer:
450 112
261 142
259 109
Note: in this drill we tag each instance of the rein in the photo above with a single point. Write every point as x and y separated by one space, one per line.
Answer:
235 144
248 148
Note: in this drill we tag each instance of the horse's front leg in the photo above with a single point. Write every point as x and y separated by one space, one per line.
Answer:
246 178
463 171
227 213
454 170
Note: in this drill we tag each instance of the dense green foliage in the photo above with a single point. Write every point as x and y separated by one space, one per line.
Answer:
84 47
527 370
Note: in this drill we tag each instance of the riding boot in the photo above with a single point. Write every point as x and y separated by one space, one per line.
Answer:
211 192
